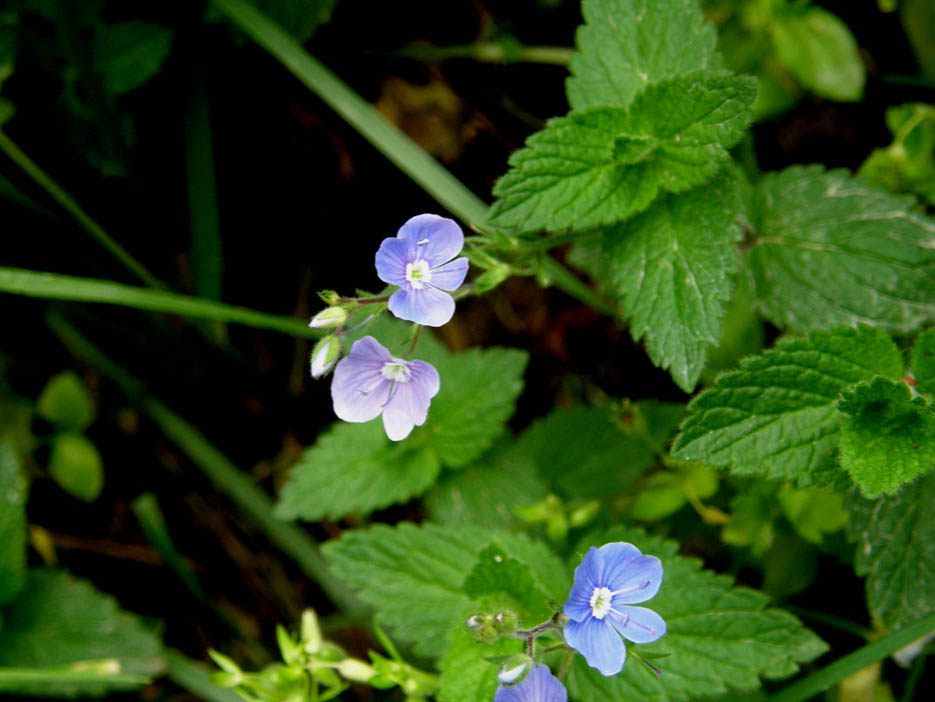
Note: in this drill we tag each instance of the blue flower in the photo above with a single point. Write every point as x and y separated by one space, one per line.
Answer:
369 381
609 580
539 686
419 261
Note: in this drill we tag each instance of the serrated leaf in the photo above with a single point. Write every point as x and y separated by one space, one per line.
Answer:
830 249
596 458
720 638
672 268
13 491
776 415
128 54
66 402
923 361
466 674
598 167
355 468
498 577
58 620
624 45
75 464
896 551
820 50
478 396
486 492
413 576
888 437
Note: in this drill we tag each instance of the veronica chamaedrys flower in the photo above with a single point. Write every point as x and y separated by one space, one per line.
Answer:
419 261
609 580
369 381
538 686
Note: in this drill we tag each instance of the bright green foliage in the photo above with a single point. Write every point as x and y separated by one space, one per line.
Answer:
66 402
666 492
751 520
626 45
129 53
477 397
820 50
830 249
12 522
720 637
501 582
466 675
672 269
813 512
601 166
908 163
355 468
75 464
888 438
414 576
486 492
776 415
596 460
59 620
896 551
923 361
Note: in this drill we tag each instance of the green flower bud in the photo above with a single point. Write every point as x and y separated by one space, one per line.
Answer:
311 632
329 317
324 355
356 670
515 669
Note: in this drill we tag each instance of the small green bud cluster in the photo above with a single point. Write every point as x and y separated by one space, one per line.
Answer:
487 628
557 516
314 668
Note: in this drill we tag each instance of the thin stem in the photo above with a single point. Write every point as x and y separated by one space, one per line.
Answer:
834 673
196 678
68 203
915 674
363 300
14 679
566 664
831 620
415 339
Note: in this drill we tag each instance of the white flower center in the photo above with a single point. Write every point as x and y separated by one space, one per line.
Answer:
396 371
600 602
418 273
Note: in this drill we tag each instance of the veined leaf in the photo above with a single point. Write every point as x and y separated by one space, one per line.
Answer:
601 166
776 415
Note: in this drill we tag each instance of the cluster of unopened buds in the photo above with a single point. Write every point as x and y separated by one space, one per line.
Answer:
598 615
370 381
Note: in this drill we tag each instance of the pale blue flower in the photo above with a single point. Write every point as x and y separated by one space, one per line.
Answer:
419 261
369 381
539 686
609 580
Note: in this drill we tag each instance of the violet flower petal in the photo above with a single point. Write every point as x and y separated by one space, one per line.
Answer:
439 239
599 643
637 624
450 275
428 306
538 686
391 259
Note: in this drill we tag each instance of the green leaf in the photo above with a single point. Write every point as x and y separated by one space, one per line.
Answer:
59 620
477 398
498 578
908 163
414 576
66 402
13 492
75 465
486 492
355 468
923 361
776 415
128 54
888 437
625 45
672 268
830 249
466 674
821 51
896 551
298 17
719 637
601 166
590 442
813 512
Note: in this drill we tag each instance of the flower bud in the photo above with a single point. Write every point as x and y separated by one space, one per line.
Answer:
356 670
311 632
329 317
324 355
515 669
